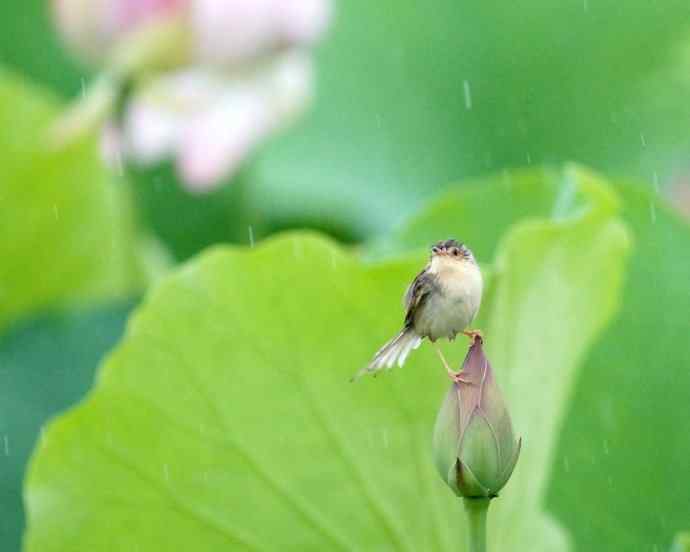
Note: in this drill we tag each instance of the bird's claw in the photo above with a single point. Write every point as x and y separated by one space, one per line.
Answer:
457 377
474 335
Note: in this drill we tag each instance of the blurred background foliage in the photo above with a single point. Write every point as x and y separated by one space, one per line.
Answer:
78 242
411 98
420 118
46 365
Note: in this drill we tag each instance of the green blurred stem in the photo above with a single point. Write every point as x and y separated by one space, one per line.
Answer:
476 509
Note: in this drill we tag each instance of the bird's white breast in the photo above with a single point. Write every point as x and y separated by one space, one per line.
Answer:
451 309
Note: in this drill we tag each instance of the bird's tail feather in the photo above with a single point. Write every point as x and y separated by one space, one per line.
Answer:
396 350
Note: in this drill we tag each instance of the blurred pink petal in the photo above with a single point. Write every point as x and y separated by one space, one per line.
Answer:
159 111
93 27
125 15
290 85
217 141
304 21
151 131
228 31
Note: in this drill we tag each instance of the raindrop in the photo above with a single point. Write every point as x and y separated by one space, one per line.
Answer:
333 261
606 447
83 87
566 464
585 5
378 120
385 438
652 212
643 141
468 95
55 212
6 445
166 473
251 236
529 158
655 181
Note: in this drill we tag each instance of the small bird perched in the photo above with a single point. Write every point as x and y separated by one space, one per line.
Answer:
440 302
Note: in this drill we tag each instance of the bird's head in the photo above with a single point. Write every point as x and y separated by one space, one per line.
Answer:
452 249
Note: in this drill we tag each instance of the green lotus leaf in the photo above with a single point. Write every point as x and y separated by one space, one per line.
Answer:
625 434
66 232
224 419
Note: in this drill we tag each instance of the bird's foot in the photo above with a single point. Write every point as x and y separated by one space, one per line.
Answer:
474 335
443 360
457 377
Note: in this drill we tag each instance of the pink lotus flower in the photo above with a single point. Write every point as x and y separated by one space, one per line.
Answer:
209 123
211 79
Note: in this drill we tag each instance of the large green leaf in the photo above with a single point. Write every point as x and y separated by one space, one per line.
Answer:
625 439
539 341
225 417
66 230
46 365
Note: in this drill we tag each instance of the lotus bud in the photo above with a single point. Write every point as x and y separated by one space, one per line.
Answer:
474 446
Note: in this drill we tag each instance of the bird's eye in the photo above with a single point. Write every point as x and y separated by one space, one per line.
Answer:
434 249
455 252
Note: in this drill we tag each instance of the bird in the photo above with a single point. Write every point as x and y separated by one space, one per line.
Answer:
440 302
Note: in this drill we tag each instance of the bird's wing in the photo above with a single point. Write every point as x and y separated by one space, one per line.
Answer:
417 292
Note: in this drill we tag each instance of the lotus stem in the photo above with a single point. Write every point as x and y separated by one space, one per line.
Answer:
476 509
